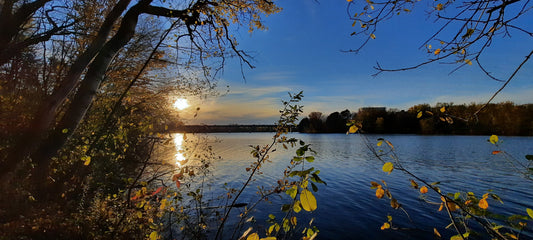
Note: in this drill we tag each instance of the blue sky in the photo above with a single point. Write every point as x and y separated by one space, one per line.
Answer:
301 51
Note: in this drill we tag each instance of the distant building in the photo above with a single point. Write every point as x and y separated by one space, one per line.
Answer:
373 109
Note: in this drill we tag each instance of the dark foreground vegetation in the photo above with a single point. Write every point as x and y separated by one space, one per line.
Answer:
444 118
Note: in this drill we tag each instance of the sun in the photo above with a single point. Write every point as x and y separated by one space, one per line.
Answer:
181 103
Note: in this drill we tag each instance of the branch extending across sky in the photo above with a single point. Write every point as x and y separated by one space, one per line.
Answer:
468 28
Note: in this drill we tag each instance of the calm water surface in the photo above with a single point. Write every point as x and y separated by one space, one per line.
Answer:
348 208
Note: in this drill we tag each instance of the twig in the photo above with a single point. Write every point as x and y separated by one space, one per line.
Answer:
505 84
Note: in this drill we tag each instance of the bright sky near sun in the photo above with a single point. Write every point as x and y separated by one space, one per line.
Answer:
301 51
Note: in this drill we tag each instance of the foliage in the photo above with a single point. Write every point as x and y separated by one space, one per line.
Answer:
298 181
463 208
84 89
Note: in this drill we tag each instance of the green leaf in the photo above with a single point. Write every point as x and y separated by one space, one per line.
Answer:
307 200
310 159
314 187
301 151
388 167
297 207
285 207
292 192
65 130
304 184
456 195
286 226
493 139
529 212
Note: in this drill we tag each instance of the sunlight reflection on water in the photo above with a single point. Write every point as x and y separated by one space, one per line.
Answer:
178 143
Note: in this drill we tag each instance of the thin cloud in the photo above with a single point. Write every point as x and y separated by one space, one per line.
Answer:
274 76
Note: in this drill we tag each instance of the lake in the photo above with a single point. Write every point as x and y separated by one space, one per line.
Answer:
347 206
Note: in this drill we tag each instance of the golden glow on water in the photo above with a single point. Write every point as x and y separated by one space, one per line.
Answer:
178 143
181 103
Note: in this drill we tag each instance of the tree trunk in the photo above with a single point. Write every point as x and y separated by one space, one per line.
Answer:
46 114
85 95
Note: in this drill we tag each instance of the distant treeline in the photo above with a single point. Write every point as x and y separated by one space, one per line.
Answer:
443 118
224 128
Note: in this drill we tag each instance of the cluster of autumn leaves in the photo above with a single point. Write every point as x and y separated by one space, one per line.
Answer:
451 202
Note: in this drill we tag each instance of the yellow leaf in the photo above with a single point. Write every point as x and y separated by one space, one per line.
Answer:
437 51
297 207
424 190
385 226
372 7
253 236
456 237
349 0
439 6
154 235
493 139
269 238
441 207
64 130
380 192
443 109
468 62
529 212
353 129
388 167
436 233
87 161
463 51
449 120
307 200
429 46
372 36
294 222
419 115
483 203
379 143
